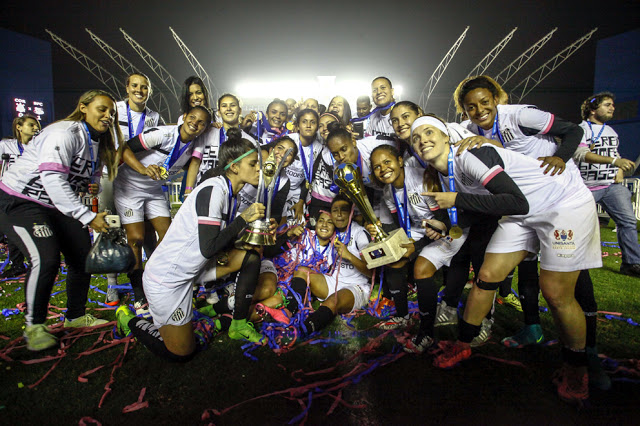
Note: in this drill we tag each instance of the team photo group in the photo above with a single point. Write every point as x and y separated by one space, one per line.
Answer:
300 213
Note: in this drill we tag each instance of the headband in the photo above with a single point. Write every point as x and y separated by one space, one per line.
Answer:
431 121
239 158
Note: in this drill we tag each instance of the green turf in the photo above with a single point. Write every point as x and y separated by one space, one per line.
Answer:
406 391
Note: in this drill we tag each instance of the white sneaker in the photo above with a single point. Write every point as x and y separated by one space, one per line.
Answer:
38 337
485 333
418 344
87 320
393 323
446 315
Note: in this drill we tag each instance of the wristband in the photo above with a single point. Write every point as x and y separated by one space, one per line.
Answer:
613 162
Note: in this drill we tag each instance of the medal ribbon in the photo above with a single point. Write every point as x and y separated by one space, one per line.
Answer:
231 213
495 130
403 210
21 148
130 122
453 211
307 170
376 109
90 145
592 133
175 154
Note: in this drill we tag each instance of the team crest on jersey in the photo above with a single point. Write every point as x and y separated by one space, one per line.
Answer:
507 135
177 315
563 239
42 231
128 212
414 198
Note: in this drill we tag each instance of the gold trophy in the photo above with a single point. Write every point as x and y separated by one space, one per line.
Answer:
257 232
386 248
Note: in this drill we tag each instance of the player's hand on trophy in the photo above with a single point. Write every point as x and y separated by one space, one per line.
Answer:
411 248
254 212
444 199
295 231
372 229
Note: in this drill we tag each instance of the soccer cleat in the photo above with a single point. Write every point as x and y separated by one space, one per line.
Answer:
112 298
123 316
418 344
142 308
511 300
393 323
598 378
243 330
14 272
528 335
86 320
485 333
208 310
286 337
572 383
38 337
452 354
446 315
280 315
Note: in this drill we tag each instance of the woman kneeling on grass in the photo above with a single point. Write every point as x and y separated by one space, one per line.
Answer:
540 213
205 228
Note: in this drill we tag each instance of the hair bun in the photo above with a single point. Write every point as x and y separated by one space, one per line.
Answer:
234 133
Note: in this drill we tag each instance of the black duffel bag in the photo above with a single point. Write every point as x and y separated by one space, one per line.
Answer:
110 253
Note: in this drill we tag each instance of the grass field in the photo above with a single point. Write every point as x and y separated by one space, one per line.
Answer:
368 380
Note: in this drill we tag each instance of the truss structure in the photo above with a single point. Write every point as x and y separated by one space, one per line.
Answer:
524 87
197 68
440 69
506 74
105 77
157 68
157 98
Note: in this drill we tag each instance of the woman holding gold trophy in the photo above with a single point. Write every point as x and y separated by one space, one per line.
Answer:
151 158
202 239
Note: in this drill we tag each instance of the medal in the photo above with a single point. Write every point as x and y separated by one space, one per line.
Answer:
164 174
308 185
455 232
290 126
223 259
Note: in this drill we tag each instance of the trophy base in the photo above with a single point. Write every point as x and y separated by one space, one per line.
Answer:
257 234
386 251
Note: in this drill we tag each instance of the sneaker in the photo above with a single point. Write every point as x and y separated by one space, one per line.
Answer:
452 354
14 272
528 335
572 383
243 330
113 298
418 344
123 316
142 308
286 337
511 300
393 323
446 315
485 333
212 297
630 269
86 320
38 337
280 315
598 378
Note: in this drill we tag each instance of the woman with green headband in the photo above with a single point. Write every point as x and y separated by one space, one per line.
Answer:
199 245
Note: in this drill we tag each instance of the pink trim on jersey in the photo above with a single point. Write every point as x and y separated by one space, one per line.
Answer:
207 221
394 211
197 154
595 188
491 174
10 191
321 197
144 145
53 167
549 124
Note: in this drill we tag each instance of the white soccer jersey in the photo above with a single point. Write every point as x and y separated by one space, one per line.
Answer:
322 177
61 148
597 176
158 143
207 147
151 119
358 239
523 129
420 206
475 168
309 252
296 170
13 149
177 260
379 125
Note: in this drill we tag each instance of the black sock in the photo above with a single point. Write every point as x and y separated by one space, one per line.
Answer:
148 335
467 332
505 286
246 284
299 286
225 322
585 297
529 288
135 277
427 303
577 358
397 281
319 319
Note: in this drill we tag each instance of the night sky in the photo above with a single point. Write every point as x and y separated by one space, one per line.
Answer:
353 40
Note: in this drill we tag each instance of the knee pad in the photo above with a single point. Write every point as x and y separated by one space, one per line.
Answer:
488 286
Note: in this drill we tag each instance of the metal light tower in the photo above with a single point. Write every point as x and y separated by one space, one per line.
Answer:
506 74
